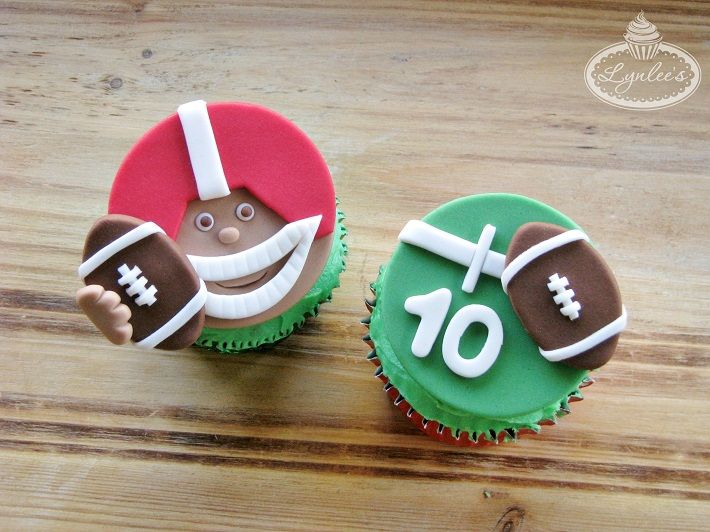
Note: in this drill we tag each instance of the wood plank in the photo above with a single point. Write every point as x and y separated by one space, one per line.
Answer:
412 104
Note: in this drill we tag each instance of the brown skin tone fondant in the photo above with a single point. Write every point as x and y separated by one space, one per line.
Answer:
105 310
230 235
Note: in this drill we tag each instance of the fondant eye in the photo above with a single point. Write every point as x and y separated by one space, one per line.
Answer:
204 221
244 211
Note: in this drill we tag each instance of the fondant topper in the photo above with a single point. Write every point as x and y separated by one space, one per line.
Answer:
581 330
249 202
488 316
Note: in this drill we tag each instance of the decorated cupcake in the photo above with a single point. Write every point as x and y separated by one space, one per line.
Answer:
642 38
489 317
222 230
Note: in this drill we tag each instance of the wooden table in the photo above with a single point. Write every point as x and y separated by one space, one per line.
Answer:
412 105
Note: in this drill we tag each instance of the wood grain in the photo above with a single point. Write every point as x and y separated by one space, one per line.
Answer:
412 104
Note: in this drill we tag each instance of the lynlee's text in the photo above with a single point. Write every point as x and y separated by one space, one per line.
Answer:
625 80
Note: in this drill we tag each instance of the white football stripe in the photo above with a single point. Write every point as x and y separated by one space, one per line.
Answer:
131 237
593 340
181 318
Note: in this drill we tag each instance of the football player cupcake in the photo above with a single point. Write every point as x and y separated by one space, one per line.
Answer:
246 201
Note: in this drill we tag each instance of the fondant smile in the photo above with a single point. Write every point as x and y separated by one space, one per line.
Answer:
295 238
243 281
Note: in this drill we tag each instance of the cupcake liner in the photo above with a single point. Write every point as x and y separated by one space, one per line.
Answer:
455 436
645 51
268 333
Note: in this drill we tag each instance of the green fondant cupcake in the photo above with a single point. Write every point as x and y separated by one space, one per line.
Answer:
484 325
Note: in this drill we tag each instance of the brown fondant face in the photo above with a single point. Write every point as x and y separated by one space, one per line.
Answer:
235 223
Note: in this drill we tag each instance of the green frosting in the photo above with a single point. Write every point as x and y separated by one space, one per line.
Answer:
521 388
269 332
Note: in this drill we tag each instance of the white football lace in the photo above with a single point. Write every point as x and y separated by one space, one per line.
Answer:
539 249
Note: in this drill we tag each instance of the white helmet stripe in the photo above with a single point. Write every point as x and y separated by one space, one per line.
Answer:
202 147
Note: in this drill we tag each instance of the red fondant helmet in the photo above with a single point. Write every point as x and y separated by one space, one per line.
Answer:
205 151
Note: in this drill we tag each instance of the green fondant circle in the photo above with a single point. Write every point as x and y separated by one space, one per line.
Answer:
521 387
281 326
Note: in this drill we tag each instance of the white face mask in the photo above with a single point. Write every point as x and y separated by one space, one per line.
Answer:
296 236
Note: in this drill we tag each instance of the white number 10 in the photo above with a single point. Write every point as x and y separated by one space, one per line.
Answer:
432 309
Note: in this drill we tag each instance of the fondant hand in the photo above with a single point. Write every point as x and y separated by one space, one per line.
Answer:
105 310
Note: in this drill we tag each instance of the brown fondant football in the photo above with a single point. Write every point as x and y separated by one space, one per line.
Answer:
152 276
564 294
